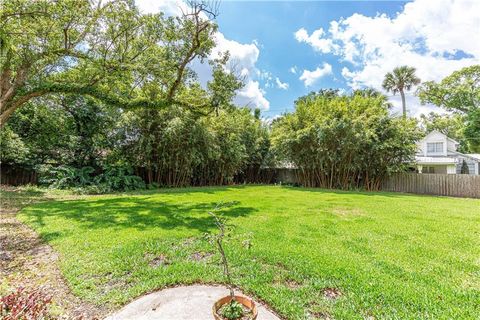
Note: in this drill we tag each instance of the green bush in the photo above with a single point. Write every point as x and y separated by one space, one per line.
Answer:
65 177
84 181
232 310
344 141
119 178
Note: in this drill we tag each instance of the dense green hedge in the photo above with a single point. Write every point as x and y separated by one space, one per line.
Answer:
340 141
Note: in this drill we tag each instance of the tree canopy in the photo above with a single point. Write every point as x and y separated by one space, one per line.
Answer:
109 51
459 93
344 141
401 79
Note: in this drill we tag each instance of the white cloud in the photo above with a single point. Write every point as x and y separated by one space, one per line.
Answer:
318 43
264 75
414 108
169 7
293 70
280 84
423 35
252 96
243 56
310 77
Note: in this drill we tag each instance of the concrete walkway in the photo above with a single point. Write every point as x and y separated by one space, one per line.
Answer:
180 303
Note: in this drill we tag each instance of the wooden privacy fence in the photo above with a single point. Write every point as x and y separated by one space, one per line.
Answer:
16 176
455 185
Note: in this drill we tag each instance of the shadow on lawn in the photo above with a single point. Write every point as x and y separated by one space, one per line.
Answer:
134 212
13 198
190 190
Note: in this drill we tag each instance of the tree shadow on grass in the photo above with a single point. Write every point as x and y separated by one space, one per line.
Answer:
13 198
140 213
188 190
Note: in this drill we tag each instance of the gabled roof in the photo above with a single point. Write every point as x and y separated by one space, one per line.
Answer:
436 131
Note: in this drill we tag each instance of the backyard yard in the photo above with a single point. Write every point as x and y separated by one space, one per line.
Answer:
306 253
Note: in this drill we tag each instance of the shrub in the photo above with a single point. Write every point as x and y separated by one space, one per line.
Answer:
232 310
64 177
464 169
23 304
83 181
119 178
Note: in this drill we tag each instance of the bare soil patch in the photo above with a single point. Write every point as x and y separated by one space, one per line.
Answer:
200 256
27 262
332 293
292 284
158 261
321 315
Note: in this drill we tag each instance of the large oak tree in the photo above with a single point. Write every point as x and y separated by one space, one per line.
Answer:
109 51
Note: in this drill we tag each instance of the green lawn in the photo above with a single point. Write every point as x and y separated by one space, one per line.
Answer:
392 256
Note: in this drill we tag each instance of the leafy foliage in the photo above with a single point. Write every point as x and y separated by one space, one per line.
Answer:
119 178
232 310
401 79
88 47
460 93
113 178
344 141
62 130
23 304
179 148
12 148
472 130
64 177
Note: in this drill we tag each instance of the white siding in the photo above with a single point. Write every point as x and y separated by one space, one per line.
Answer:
472 165
451 146
436 137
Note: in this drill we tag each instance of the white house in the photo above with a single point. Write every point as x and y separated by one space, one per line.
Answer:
438 153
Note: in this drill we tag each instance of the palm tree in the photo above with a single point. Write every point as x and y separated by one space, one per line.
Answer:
401 79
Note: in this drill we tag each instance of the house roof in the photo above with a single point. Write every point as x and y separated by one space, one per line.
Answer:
436 131
435 160
474 155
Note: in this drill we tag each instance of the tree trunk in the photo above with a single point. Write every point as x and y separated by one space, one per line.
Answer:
404 107
4 115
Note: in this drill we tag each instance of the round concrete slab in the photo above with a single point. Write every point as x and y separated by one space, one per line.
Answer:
180 303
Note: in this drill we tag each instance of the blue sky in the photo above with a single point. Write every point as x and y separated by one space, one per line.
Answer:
273 24
285 49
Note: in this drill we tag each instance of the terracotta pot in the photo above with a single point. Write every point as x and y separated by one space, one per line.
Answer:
243 300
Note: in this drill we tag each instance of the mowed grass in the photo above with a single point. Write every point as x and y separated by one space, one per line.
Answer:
385 255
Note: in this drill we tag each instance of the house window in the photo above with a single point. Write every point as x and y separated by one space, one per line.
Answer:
428 170
434 147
